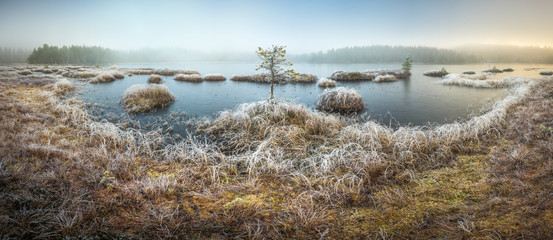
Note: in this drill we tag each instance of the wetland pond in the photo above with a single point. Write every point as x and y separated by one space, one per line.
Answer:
418 100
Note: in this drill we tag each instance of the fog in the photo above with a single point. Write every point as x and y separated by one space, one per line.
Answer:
304 26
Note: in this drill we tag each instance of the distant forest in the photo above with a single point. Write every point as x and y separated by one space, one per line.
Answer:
380 54
467 54
85 55
70 55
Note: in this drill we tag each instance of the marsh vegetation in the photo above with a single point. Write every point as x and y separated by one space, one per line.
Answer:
274 169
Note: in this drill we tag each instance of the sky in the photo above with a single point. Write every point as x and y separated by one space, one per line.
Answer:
302 25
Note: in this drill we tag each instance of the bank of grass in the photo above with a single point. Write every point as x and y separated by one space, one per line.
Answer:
274 170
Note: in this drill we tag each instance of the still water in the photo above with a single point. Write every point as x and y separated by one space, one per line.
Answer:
415 101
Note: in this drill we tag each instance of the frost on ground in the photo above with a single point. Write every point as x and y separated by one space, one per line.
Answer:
482 81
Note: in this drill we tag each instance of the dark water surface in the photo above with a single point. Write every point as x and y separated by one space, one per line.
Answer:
416 101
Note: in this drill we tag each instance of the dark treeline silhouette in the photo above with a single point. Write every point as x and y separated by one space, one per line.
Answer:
379 54
12 55
70 55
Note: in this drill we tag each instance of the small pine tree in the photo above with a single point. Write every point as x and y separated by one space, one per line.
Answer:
273 60
408 64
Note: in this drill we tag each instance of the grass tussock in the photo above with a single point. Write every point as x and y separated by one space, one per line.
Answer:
340 100
436 73
189 77
80 74
274 169
546 73
215 77
385 78
325 82
304 78
259 78
103 78
25 73
63 87
155 79
144 98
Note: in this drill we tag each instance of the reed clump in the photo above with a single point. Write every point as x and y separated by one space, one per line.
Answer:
304 78
436 73
341 99
162 72
144 98
63 87
214 77
259 78
325 82
77 74
25 73
189 77
154 78
385 78
103 78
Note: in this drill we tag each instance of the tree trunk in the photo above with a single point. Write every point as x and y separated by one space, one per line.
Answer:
272 78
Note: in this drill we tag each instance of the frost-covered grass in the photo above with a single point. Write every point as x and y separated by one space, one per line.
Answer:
481 81
436 73
154 78
325 82
340 99
103 78
144 98
259 78
25 73
188 77
274 169
214 77
63 87
304 78
162 72
368 75
385 78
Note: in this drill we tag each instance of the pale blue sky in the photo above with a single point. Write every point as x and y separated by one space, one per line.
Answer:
304 26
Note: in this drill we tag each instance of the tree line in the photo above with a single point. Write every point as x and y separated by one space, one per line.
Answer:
70 55
366 54
430 55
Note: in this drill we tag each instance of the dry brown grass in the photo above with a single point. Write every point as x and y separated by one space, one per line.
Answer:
144 98
189 77
103 78
215 77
